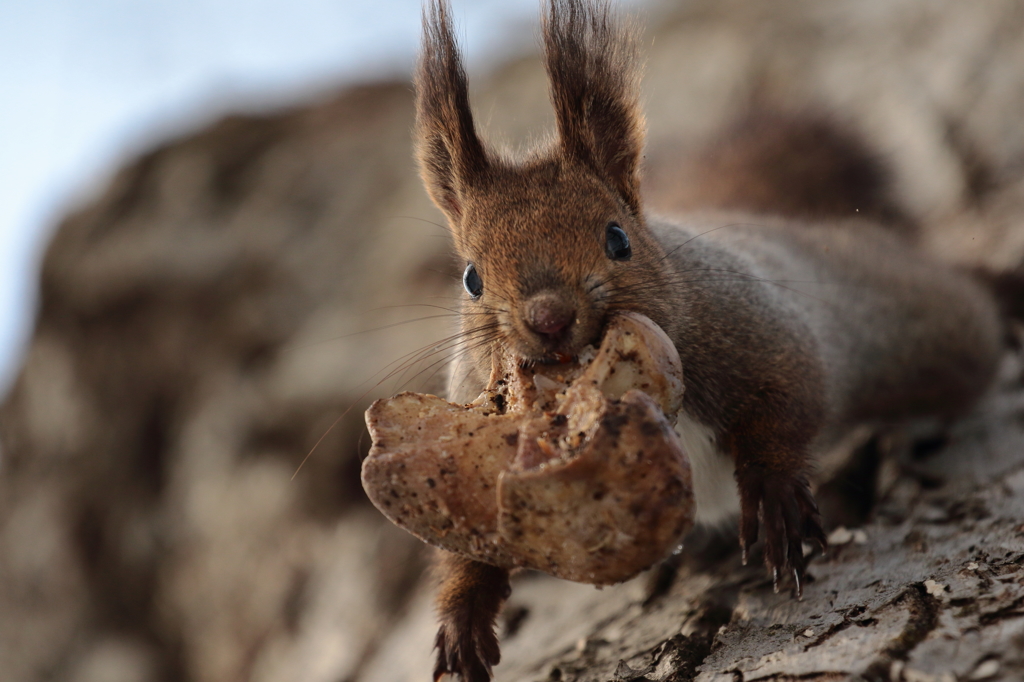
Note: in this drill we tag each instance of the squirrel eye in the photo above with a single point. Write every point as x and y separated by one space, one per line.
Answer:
471 280
616 244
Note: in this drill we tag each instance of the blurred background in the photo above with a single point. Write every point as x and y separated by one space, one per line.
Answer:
216 247
89 85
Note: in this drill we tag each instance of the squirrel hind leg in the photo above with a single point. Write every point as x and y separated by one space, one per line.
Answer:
469 599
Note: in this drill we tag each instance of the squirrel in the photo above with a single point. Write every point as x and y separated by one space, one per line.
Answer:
795 320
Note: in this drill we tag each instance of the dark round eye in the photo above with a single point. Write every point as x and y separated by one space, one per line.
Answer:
471 280
616 244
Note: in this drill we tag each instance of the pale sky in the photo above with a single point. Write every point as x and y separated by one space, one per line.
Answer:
87 84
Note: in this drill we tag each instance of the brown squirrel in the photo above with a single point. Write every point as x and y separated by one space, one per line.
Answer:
793 324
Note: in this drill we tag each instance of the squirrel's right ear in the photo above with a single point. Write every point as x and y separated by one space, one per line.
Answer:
450 154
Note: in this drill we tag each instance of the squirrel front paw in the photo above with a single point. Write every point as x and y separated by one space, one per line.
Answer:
784 504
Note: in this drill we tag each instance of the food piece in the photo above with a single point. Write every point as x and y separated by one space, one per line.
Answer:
571 469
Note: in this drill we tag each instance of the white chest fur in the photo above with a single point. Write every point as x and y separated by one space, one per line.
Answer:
714 487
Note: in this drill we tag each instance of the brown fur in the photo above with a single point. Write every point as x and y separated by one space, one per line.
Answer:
449 151
773 370
468 601
595 93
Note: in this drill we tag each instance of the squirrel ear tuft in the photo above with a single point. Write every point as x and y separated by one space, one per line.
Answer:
451 156
592 66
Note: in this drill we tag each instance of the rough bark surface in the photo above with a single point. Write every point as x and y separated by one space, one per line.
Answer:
195 340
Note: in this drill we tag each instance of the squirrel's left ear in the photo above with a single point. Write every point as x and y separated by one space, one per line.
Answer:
450 154
592 66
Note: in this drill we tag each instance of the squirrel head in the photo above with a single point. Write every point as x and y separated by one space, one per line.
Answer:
554 242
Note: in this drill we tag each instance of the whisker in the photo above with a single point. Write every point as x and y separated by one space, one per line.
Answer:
296 347
438 365
450 313
453 345
418 305
444 227
406 362
739 277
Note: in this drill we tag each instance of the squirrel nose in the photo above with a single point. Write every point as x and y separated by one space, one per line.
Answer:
548 314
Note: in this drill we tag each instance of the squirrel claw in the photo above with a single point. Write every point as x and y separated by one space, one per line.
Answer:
470 597
470 663
783 504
